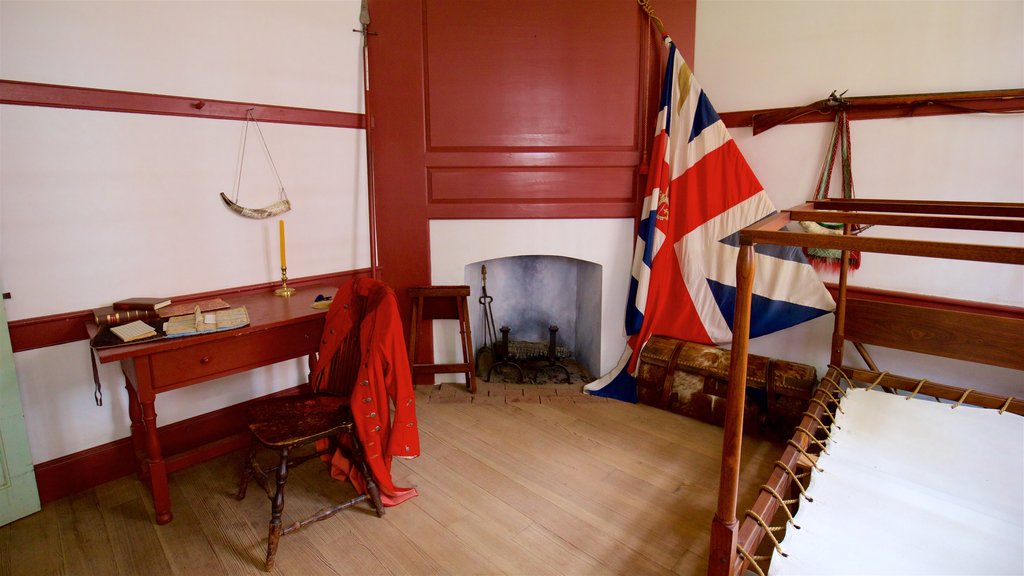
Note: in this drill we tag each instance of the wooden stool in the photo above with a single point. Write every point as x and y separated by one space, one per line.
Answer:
442 303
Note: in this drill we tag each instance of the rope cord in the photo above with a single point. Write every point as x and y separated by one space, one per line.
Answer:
825 429
795 479
259 132
962 398
825 408
825 176
835 385
645 5
813 439
878 380
751 561
241 157
917 389
801 450
847 156
784 504
1006 404
845 376
830 397
768 531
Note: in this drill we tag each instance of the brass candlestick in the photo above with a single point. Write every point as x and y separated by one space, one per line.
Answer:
284 290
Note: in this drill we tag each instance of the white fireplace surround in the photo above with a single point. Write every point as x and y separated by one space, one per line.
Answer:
604 241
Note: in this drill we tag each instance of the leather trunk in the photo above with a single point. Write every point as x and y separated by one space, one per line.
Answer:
691 379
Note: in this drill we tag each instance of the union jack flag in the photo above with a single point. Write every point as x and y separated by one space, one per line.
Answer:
700 193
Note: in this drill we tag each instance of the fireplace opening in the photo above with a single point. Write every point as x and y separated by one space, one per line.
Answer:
548 309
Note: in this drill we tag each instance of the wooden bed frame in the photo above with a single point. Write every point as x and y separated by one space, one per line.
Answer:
968 331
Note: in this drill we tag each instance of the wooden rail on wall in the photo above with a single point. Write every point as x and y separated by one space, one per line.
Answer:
873 107
76 97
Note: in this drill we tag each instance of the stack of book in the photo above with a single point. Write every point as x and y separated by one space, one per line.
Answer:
137 319
127 318
129 310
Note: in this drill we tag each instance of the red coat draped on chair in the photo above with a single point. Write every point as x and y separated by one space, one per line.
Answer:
384 379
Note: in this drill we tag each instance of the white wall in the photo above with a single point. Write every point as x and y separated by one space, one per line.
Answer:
762 54
97 206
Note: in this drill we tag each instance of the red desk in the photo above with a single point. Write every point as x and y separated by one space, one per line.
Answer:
279 329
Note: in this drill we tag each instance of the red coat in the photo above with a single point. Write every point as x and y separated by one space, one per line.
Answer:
384 380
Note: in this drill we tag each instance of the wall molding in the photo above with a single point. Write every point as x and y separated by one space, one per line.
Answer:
81 98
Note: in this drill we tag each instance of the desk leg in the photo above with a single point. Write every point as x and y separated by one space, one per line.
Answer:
157 467
138 429
142 409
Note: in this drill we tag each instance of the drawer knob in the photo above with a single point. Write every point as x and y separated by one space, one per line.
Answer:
204 360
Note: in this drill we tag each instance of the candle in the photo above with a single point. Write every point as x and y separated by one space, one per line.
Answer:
284 264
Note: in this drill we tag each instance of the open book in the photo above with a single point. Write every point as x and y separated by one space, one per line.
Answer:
200 322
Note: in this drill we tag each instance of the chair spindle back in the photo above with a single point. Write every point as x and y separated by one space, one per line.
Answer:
340 377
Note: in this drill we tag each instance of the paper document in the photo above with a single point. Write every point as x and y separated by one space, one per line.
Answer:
200 323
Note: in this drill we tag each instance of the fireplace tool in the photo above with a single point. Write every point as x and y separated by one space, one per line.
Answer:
485 356
492 354
490 335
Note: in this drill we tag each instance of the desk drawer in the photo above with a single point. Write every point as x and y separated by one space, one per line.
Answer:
218 358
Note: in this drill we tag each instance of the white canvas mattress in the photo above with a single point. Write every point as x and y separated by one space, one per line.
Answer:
912 487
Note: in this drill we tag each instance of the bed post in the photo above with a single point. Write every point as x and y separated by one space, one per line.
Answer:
724 527
839 331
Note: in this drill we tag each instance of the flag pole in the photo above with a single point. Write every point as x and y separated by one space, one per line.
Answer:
364 21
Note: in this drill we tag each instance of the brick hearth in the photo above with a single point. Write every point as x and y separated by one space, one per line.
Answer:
499 393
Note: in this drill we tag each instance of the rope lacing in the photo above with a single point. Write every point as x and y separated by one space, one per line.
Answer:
768 532
801 450
821 425
752 560
795 478
811 437
784 504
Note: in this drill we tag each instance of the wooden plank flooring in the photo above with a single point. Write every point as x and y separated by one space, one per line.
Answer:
519 479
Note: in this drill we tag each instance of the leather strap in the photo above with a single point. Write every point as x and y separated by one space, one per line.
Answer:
670 371
98 393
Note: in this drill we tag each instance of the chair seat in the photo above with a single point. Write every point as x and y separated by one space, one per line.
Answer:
291 421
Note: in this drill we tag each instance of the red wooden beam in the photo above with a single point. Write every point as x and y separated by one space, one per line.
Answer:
80 98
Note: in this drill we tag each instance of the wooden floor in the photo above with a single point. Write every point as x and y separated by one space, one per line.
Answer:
520 479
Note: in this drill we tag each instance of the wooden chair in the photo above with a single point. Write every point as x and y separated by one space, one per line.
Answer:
283 425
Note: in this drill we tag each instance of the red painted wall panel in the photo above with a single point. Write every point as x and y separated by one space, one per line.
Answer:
532 73
485 185
499 109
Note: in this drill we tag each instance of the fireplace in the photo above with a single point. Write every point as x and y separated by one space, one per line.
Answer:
533 293
588 260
